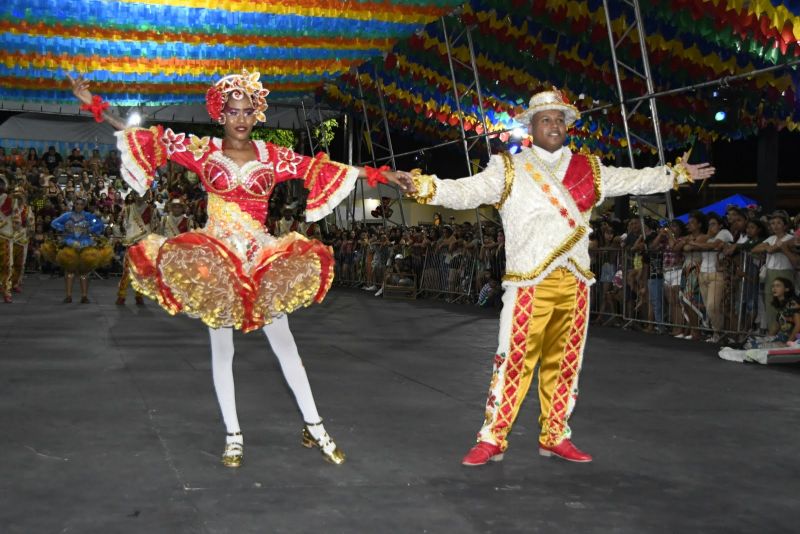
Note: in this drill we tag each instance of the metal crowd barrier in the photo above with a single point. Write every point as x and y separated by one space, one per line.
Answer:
448 274
681 298
350 268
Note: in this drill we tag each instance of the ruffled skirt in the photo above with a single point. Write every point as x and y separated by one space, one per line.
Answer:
206 277
74 260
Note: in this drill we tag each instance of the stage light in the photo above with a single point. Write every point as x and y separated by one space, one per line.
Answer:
134 119
719 116
715 94
518 133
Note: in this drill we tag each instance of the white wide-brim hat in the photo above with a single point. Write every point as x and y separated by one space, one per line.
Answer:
547 100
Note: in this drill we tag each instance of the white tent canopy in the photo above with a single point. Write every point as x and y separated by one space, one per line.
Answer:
39 131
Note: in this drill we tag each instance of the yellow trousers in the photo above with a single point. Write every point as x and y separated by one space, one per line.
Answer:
122 288
6 265
18 256
543 325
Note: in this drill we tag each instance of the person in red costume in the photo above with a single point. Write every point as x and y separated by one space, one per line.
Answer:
232 273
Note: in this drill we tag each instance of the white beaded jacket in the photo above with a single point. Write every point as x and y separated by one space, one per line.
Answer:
545 201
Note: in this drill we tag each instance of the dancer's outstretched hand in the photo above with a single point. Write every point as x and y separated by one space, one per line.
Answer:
80 88
698 171
401 179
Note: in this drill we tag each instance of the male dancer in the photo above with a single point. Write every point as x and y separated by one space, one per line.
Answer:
23 225
6 239
545 196
138 220
176 221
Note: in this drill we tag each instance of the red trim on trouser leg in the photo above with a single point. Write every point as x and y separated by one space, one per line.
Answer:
18 253
510 368
6 266
556 420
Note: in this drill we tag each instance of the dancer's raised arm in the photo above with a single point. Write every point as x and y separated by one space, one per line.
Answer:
80 88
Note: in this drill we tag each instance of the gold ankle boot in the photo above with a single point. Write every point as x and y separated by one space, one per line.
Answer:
327 447
233 454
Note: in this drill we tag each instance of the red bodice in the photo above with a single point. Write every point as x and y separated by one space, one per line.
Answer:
249 185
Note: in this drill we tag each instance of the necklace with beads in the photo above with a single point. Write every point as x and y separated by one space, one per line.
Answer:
551 169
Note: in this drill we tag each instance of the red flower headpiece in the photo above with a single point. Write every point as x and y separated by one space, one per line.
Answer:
214 102
237 86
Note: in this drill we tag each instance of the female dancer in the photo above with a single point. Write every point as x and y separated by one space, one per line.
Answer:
233 273
79 252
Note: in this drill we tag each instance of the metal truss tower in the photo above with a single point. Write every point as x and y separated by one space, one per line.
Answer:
652 139
373 146
451 40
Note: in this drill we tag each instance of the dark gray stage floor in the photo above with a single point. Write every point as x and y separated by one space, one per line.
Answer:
110 425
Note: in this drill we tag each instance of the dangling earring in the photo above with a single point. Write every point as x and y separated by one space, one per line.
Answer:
222 120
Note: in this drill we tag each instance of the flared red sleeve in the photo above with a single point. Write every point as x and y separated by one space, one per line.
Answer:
328 182
143 150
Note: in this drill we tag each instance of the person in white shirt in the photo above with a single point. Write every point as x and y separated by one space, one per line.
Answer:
286 224
778 264
545 196
712 280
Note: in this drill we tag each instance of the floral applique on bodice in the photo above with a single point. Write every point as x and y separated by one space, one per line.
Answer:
249 185
232 272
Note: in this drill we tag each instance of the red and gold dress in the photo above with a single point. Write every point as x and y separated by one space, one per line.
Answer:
233 272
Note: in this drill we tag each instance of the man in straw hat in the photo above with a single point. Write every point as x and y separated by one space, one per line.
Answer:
545 197
139 218
176 221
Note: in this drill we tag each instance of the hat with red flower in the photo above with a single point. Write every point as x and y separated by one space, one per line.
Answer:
545 100
237 86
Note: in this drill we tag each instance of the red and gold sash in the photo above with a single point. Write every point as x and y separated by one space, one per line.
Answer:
582 180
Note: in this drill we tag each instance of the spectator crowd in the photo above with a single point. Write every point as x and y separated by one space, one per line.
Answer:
710 277
49 184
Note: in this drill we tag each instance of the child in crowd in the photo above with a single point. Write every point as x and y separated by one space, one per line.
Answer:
783 334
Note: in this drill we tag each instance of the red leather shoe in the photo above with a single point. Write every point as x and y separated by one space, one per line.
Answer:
482 453
7 299
120 301
566 451
139 301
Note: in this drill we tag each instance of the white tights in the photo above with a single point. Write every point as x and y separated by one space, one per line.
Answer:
283 345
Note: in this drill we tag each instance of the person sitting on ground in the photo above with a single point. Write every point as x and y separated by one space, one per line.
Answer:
778 264
399 273
490 294
783 334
